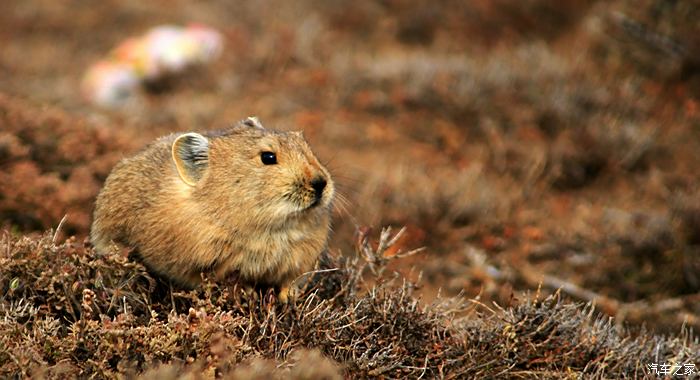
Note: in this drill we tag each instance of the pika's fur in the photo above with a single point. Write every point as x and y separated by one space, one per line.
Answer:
244 199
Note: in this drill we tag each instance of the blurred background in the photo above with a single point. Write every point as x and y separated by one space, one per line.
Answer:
526 144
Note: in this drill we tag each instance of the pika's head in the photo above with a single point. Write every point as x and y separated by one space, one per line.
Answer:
264 175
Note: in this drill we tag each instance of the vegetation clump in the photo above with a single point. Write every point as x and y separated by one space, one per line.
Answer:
68 312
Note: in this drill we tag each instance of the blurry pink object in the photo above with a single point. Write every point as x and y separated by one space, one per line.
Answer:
133 53
109 83
172 49
162 51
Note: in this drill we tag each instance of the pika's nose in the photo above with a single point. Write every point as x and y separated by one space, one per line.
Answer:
318 184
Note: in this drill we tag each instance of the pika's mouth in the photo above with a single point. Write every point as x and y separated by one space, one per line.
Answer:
315 202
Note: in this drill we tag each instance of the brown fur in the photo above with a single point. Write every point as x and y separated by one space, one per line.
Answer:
237 215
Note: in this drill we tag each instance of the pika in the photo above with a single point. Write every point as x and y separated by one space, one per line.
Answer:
246 199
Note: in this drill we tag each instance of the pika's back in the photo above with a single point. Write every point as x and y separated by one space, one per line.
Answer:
243 199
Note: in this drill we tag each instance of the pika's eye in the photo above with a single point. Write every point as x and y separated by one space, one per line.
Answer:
268 158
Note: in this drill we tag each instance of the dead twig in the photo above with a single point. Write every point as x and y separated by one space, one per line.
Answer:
622 311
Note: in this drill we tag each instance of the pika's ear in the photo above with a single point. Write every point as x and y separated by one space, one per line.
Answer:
253 122
191 156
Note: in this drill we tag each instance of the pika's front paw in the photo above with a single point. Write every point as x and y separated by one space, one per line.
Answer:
287 293
250 292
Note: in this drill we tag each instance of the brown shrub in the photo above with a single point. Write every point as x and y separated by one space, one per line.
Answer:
53 165
656 38
67 312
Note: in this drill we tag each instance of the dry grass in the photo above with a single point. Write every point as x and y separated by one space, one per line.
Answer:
53 164
67 312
